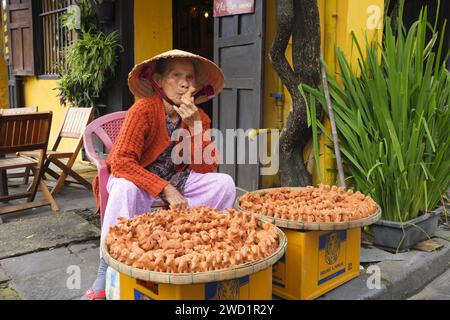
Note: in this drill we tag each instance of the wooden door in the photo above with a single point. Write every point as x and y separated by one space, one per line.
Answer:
238 50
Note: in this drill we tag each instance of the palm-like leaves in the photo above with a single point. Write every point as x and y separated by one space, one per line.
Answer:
393 120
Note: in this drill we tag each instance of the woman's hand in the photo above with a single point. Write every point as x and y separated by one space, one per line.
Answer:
174 197
189 113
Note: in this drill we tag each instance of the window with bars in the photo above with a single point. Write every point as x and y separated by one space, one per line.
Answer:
54 37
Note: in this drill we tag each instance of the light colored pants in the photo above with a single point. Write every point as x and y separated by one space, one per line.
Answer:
216 190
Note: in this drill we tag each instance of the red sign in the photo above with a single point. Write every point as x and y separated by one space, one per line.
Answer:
231 7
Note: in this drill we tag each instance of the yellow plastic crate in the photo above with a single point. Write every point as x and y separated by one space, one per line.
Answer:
316 262
253 287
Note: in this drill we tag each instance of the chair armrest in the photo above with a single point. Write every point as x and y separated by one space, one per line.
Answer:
103 176
89 145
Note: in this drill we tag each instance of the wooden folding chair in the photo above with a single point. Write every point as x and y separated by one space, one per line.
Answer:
21 133
3 176
73 126
25 110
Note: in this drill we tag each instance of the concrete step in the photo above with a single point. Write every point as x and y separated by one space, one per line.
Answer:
439 289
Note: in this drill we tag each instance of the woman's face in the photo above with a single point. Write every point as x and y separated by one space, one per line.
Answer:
176 80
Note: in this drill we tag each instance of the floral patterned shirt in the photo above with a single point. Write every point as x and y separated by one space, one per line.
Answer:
164 168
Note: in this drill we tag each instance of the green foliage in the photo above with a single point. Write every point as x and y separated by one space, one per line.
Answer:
86 22
393 119
90 61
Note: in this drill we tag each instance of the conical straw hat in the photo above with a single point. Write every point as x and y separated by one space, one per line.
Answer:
209 77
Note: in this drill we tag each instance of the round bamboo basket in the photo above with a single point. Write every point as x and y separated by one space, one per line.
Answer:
311 226
200 277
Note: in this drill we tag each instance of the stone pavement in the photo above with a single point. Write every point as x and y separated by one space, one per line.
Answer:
44 232
439 289
46 275
42 253
40 250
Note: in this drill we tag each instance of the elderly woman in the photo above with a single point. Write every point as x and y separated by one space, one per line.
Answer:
170 86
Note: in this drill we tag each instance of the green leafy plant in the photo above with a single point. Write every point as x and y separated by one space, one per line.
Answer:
393 119
90 62
83 19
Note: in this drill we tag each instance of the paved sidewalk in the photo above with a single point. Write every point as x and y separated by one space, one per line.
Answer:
439 289
47 275
41 252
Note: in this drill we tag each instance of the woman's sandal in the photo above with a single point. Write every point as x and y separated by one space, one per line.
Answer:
91 295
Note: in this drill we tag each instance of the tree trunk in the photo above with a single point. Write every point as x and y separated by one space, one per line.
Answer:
299 18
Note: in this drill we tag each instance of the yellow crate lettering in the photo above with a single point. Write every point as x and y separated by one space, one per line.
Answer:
332 255
226 290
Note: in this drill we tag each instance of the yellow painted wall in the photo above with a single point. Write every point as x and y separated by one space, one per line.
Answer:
4 103
40 93
152 28
364 19
359 16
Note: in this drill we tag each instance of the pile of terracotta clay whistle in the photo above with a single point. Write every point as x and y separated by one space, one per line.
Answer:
184 241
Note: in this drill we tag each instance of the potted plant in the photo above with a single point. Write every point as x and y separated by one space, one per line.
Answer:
90 62
81 17
392 116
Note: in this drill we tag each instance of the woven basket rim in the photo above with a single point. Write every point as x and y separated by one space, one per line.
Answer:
312 226
239 271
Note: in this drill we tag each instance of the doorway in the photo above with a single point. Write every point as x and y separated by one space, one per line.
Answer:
193 31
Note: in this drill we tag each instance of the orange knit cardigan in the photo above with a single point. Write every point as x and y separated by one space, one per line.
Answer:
142 138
